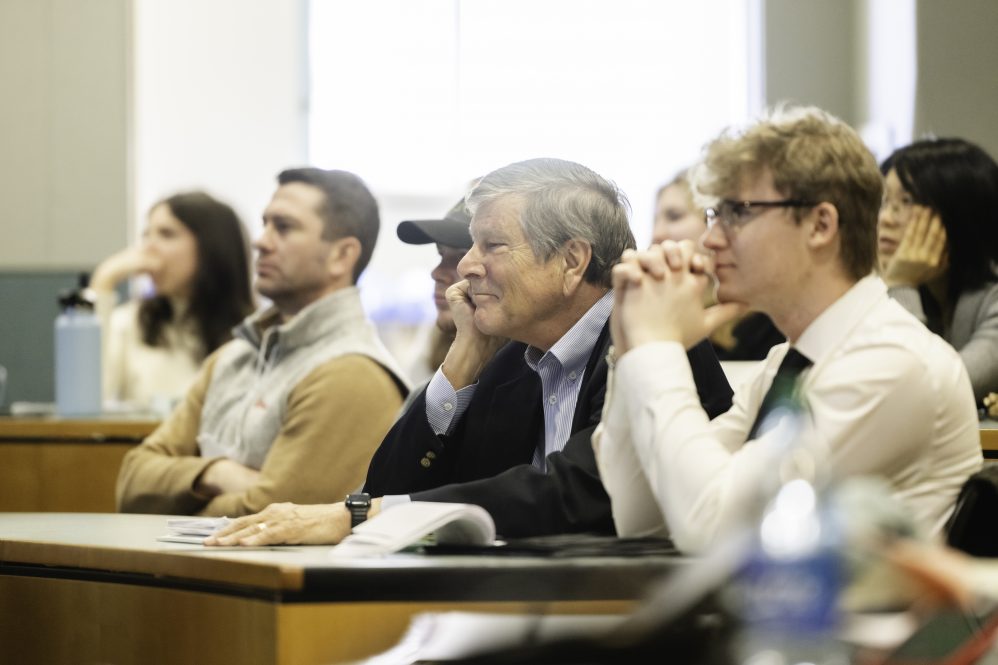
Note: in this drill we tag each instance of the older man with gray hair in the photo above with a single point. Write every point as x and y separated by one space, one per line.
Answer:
505 422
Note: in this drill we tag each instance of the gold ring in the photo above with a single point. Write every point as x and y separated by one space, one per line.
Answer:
262 526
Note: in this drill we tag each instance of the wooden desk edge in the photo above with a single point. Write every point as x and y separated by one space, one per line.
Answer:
55 429
168 563
989 439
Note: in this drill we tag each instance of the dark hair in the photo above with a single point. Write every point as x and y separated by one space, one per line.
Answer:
959 181
349 210
220 293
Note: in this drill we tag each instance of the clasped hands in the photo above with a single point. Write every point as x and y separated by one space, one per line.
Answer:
659 296
921 255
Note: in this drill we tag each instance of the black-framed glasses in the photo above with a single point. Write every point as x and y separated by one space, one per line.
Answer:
734 214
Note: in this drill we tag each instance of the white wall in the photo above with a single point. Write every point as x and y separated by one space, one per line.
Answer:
220 99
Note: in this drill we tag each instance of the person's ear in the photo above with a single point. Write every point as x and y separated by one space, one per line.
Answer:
576 255
343 257
824 226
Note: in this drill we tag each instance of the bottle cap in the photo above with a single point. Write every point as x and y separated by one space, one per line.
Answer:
75 299
82 297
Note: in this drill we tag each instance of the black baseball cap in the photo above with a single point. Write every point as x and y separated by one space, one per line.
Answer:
452 230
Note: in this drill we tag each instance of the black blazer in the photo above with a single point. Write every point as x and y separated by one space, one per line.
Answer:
486 460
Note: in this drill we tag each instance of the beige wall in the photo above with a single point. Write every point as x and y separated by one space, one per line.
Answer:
64 127
811 48
816 52
958 70
218 103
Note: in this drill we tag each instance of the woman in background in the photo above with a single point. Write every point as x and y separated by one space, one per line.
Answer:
195 251
937 238
678 218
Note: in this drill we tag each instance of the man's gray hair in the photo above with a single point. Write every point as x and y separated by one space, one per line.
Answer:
562 201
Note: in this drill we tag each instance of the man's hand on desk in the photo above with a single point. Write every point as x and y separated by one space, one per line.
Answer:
290 524
224 476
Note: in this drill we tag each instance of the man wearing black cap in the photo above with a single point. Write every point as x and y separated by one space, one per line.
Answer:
453 240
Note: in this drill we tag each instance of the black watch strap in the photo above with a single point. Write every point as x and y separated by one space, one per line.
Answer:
358 505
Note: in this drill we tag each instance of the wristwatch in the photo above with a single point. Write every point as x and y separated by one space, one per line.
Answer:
358 505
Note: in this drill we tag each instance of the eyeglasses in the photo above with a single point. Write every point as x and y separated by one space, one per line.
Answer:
735 214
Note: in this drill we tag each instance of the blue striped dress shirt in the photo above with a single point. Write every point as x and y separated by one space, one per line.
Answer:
561 370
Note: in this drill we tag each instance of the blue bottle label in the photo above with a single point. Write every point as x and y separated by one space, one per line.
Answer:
796 595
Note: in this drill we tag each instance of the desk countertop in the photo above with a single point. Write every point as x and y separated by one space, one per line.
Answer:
126 545
989 435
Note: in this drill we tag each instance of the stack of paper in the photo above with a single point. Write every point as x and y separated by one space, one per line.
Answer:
407 523
192 529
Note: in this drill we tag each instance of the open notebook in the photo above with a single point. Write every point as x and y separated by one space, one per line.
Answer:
408 523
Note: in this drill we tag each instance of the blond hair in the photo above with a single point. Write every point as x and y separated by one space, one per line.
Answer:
811 156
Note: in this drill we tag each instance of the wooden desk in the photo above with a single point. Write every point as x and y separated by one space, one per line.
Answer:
54 464
100 588
989 438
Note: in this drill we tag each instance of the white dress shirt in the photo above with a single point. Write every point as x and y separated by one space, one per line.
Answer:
886 396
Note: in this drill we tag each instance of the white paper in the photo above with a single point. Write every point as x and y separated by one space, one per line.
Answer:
407 523
192 530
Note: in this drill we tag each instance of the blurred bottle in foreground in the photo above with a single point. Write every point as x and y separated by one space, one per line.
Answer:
77 355
788 589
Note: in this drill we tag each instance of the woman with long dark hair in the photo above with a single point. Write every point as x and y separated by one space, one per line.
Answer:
195 251
937 238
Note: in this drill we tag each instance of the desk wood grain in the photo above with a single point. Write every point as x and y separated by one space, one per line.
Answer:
64 465
49 429
989 437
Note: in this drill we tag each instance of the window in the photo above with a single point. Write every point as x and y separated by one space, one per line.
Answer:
890 75
420 96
